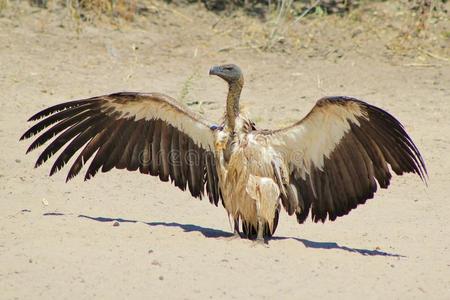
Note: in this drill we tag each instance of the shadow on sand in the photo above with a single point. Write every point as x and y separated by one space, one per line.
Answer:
215 233
207 232
335 246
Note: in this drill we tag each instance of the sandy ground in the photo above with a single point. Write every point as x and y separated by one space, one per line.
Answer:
57 240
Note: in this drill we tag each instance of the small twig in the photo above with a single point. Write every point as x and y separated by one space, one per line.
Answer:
216 23
434 55
306 12
319 84
239 47
283 10
419 65
166 7
180 14
132 65
187 85
275 31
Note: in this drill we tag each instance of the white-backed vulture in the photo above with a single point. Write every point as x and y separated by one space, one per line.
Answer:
325 164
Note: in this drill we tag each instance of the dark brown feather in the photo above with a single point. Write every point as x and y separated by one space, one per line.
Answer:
184 167
166 138
194 179
209 178
174 160
92 146
103 152
125 159
118 146
156 144
77 143
98 127
349 175
65 137
67 118
53 131
138 156
63 106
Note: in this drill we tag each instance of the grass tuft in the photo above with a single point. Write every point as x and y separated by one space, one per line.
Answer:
186 88
3 4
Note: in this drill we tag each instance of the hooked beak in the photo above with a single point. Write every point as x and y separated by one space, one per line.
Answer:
216 70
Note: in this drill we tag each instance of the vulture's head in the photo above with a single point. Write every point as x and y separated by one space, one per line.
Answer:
230 73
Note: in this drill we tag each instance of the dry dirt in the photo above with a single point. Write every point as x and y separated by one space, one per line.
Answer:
59 241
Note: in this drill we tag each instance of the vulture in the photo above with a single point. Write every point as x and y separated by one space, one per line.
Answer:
324 165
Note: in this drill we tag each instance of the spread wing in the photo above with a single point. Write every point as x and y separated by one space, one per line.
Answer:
150 132
336 155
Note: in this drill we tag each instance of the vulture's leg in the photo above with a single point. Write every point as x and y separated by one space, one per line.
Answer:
260 236
234 223
236 228
260 229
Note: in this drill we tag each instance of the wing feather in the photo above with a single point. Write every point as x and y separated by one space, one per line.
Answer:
76 144
92 146
155 147
83 122
174 159
140 153
338 153
150 132
125 159
67 106
118 146
183 144
63 115
104 150
166 138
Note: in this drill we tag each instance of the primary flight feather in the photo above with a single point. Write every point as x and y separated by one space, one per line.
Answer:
325 164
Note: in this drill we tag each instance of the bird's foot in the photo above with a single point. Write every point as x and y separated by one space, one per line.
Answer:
261 242
260 234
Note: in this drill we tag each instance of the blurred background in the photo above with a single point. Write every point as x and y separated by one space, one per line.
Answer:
417 29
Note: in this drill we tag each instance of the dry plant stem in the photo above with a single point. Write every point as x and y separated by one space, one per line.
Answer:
3 4
306 12
434 55
283 9
282 14
301 16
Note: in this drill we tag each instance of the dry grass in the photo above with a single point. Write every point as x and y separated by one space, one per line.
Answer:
423 27
3 4
413 28
121 8
417 30
89 9
187 86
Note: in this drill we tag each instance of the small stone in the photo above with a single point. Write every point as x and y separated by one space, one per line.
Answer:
150 251
115 224
156 263
161 277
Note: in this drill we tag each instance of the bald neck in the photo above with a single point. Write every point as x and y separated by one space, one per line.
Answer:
234 94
